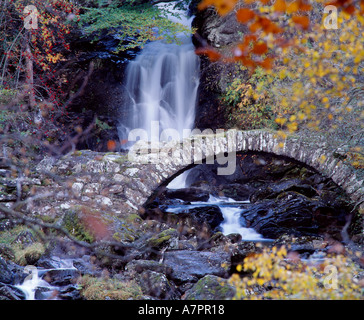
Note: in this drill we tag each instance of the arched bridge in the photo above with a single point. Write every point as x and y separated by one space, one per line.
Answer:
134 176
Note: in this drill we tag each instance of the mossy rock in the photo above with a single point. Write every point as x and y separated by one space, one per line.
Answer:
74 225
211 287
162 239
30 255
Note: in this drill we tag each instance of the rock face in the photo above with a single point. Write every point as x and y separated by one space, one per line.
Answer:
218 30
220 33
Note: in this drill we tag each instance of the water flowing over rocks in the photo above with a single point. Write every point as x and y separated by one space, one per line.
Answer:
162 254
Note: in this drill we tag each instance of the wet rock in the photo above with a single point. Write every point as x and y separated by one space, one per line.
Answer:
211 287
139 266
8 292
211 215
62 277
271 191
189 266
6 275
70 292
187 194
292 214
156 284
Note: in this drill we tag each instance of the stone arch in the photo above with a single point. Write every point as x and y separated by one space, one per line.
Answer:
175 157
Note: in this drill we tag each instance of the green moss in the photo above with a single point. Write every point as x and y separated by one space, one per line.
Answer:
162 238
73 224
110 288
211 288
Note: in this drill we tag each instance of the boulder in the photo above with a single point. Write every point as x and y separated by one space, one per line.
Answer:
8 292
6 276
157 285
189 266
210 287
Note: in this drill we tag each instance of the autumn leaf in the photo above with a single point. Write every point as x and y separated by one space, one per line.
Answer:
260 48
280 6
111 145
303 21
244 15
223 7
212 54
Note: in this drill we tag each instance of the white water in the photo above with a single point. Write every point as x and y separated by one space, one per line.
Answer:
231 213
162 85
34 281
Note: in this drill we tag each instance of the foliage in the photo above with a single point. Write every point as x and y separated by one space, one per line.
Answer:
134 25
316 81
276 274
44 45
250 103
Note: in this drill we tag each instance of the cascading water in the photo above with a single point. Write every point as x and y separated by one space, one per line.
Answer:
161 84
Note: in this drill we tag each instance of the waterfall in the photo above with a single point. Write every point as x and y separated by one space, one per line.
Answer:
161 85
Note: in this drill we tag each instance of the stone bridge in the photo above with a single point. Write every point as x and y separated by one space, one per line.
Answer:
130 179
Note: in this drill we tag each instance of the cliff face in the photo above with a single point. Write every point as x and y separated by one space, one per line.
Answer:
220 33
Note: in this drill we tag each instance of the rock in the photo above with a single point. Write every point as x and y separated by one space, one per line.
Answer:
189 266
187 194
211 215
210 287
6 275
292 213
218 30
139 266
8 292
62 277
69 292
7 252
165 239
271 191
156 284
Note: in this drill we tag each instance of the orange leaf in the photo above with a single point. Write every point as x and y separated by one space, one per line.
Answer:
125 141
280 6
260 48
212 54
244 15
223 7
293 7
305 6
111 145
304 22
248 38
350 9
267 63
254 27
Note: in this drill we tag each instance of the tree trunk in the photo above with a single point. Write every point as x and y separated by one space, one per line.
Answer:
30 78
